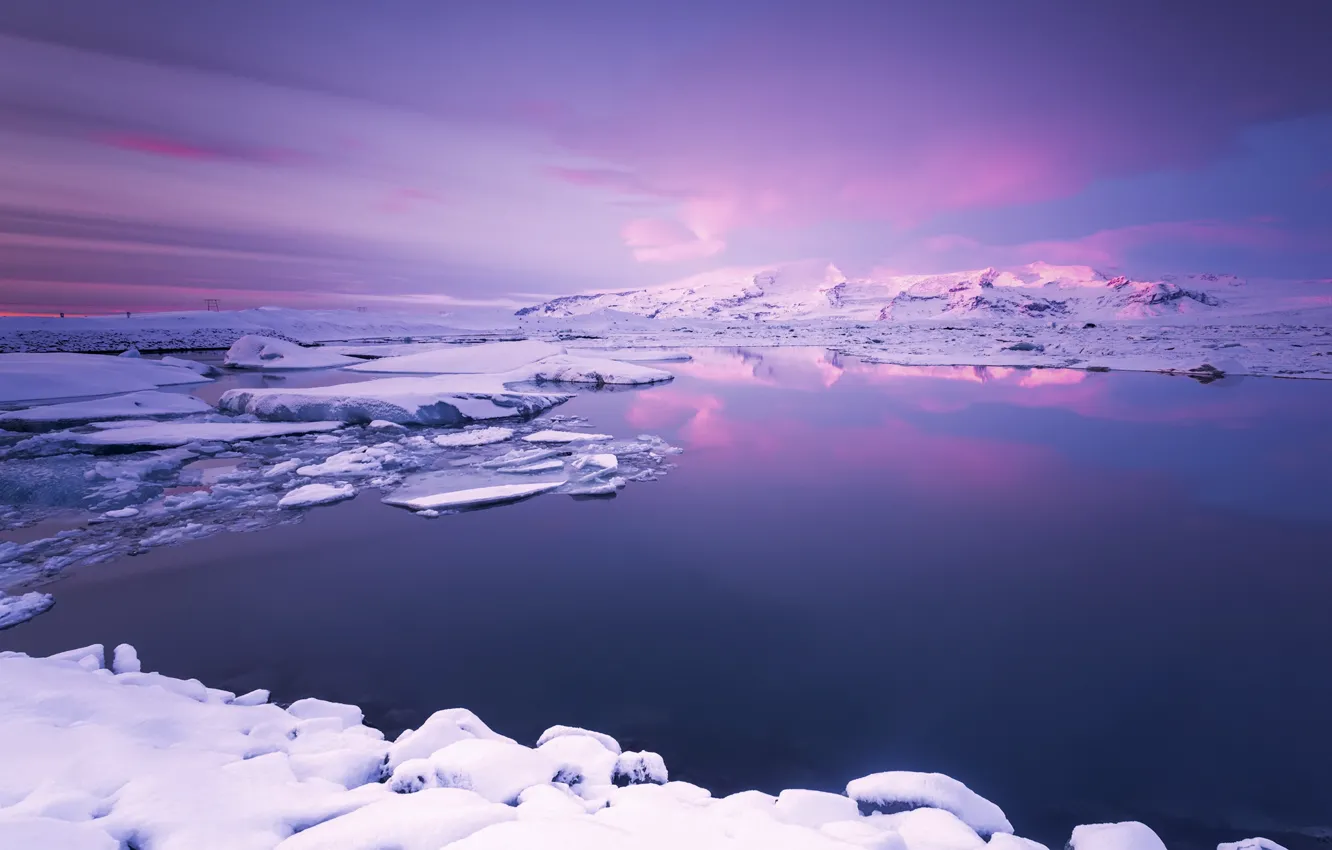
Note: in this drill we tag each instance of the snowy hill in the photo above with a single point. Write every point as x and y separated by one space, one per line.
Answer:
818 289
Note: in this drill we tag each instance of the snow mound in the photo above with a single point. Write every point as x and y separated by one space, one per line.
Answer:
129 406
267 353
555 436
441 729
316 494
601 738
19 609
165 435
491 358
447 400
1129 835
429 820
37 377
903 790
474 437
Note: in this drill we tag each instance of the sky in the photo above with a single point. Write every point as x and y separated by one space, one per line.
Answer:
426 155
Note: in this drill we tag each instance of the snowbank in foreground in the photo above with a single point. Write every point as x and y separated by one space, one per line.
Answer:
260 352
37 377
105 758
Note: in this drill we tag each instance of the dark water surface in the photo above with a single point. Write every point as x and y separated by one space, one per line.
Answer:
1088 596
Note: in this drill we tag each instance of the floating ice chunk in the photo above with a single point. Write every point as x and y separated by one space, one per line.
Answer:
441 400
552 436
1128 835
595 485
309 708
637 768
19 609
474 437
574 731
33 377
497 770
316 494
385 425
261 352
600 463
437 491
357 462
125 659
587 370
130 406
491 357
813 808
122 513
902 790
205 369
444 727
429 820
518 457
283 468
173 434
1250 844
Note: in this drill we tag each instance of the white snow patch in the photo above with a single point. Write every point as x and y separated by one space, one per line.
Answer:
449 491
130 406
35 377
553 436
1128 835
474 437
897 789
489 358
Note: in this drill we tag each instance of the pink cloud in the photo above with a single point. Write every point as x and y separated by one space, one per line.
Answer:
657 240
165 146
406 199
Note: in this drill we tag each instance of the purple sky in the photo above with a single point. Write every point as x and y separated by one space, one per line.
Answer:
420 154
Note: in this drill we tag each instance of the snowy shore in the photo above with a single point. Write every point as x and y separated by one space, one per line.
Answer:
100 754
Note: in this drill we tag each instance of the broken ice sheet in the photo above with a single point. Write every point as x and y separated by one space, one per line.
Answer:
450 490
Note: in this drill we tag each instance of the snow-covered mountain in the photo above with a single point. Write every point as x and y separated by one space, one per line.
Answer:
817 289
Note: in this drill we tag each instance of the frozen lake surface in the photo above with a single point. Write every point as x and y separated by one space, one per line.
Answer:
1091 597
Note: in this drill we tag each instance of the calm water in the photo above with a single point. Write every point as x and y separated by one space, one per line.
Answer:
1088 596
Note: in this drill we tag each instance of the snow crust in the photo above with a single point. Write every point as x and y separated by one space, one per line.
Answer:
269 354
102 758
37 377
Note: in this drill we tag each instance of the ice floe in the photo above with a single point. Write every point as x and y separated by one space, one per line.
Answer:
442 400
145 403
37 377
445 491
316 494
568 369
474 437
495 357
556 436
172 434
18 609
359 462
267 353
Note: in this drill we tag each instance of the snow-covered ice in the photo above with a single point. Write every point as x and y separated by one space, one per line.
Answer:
358 462
171 434
474 437
443 400
568 369
493 358
38 377
316 494
445 491
146 403
18 609
267 353
105 758
902 790
551 435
